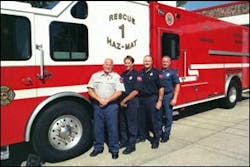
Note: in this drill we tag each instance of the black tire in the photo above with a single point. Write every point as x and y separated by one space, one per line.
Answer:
63 131
232 95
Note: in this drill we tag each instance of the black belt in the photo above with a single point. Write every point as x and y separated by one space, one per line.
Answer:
165 93
148 95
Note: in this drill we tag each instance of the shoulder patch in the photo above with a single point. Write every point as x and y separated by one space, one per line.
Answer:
160 76
139 79
121 80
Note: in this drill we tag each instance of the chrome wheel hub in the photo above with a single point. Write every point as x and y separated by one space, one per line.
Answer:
232 95
65 132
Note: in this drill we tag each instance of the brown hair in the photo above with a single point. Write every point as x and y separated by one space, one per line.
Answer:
130 58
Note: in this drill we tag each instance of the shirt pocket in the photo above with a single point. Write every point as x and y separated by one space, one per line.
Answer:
111 84
97 83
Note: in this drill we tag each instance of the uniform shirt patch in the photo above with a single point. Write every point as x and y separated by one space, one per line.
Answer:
130 78
151 74
139 79
121 80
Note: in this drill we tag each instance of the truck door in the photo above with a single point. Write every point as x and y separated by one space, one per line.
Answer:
170 44
18 74
62 47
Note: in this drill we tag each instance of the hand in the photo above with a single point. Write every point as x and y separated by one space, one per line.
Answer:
103 102
173 102
158 105
123 103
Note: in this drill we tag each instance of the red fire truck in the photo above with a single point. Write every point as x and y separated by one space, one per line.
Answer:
48 55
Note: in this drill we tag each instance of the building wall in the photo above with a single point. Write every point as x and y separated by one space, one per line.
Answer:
239 19
235 12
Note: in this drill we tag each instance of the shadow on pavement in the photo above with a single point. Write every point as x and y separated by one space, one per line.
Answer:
200 108
18 154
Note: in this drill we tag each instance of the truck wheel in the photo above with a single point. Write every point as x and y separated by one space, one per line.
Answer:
63 131
232 95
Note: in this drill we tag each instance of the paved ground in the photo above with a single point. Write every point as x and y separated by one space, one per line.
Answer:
210 136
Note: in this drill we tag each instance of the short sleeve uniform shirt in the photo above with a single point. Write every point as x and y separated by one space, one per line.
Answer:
104 84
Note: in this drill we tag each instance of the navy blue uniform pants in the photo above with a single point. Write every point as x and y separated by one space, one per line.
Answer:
128 123
166 115
106 115
148 119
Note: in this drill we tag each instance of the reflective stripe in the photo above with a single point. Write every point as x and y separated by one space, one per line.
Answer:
31 93
227 53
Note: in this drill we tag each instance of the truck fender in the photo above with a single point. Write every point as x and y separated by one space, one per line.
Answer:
228 80
44 103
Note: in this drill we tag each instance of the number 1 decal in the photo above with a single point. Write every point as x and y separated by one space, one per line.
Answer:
122 29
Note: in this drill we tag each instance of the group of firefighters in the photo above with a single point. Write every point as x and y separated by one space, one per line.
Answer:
132 105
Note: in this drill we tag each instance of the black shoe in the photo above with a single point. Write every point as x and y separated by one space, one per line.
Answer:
128 150
115 155
121 145
164 139
154 145
140 140
95 153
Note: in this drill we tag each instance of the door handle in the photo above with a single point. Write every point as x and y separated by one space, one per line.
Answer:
46 76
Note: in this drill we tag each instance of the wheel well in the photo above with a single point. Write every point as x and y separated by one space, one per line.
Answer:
237 80
81 101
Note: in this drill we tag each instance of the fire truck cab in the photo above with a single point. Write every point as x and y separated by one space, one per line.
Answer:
47 58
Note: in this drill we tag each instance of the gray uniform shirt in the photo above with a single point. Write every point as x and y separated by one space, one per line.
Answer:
104 84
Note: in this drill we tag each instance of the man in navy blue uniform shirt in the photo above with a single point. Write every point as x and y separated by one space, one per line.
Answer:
151 91
171 92
129 106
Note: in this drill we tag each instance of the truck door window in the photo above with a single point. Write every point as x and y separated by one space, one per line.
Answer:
170 45
42 4
68 41
15 38
80 10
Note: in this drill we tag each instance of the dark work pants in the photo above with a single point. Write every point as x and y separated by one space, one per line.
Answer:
128 123
148 118
106 115
166 115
